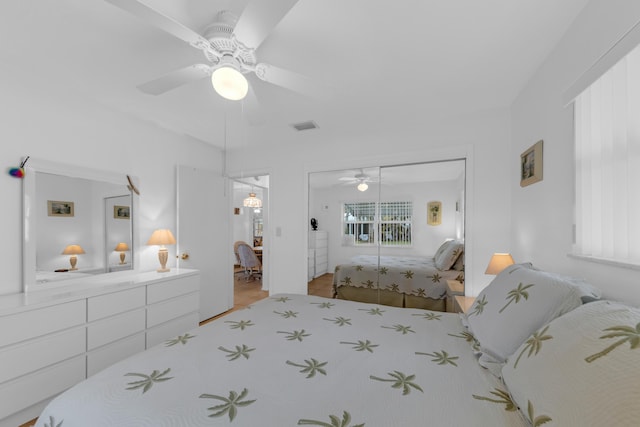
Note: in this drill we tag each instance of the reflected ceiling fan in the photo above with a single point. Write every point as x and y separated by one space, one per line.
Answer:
228 44
361 179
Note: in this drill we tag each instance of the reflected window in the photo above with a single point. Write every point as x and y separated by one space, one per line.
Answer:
386 223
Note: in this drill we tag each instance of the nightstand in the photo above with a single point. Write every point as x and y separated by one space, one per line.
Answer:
462 304
454 288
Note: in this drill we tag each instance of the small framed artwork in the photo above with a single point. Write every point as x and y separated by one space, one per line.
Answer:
434 213
121 212
58 208
531 165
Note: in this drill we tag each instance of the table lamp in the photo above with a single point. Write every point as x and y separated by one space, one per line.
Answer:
498 262
73 250
122 247
162 237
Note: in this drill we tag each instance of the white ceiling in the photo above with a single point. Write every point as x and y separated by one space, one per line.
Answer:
382 63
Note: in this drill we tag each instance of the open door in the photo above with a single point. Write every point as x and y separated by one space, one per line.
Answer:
203 237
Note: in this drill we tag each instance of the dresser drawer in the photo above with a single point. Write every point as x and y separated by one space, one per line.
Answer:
35 323
114 303
38 353
171 309
172 288
172 329
115 328
99 359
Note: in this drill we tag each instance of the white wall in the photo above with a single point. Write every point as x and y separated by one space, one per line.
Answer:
484 137
543 212
52 123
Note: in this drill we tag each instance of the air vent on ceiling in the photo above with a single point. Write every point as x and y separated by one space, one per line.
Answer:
305 125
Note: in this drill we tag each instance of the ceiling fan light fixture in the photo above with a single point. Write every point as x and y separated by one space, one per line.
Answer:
363 186
229 83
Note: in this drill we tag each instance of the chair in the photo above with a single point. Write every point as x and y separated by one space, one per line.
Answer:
249 261
235 250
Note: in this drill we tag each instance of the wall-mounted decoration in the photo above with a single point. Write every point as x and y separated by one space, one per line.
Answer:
434 213
531 165
236 211
58 208
121 212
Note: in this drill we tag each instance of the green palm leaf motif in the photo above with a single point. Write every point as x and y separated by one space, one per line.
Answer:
467 336
503 398
311 367
373 311
181 339
147 380
369 283
539 420
429 315
478 306
435 278
534 344
408 274
361 345
359 268
514 295
281 299
460 277
346 280
455 254
340 321
230 405
400 380
383 270
335 421
337 268
625 333
240 324
393 287
441 358
400 328
239 351
287 314
420 292
52 422
295 335
323 304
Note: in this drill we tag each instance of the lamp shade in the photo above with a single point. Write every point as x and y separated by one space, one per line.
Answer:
230 83
162 236
121 247
498 262
252 201
73 250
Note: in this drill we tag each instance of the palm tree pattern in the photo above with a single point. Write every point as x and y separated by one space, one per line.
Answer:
295 335
335 421
478 306
240 324
467 336
311 367
340 321
625 333
400 380
420 292
346 280
181 339
323 304
383 270
393 287
243 351
514 295
369 283
408 274
52 422
400 328
287 314
503 398
373 311
534 344
282 299
230 404
359 268
539 420
441 358
435 278
429 315
147 380
361 345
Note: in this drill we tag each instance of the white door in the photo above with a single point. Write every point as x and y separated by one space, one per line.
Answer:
203 227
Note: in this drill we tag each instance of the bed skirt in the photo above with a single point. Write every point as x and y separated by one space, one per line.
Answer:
387 297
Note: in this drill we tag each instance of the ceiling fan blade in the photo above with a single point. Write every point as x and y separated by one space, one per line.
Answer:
258 19
251 107
176 78
152 16
289 80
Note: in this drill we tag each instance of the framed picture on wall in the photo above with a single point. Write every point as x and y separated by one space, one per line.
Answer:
434 213
531 165
58 208
121 212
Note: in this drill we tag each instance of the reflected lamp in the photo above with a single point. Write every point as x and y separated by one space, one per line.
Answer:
122 247
73 250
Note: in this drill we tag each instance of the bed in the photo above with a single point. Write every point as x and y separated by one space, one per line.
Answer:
413 282
303 360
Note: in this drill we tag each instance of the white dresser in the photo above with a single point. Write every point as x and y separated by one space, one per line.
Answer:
318 257
52 339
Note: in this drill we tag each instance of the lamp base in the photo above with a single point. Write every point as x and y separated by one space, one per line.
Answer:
73 260
163 257
122 255
163 270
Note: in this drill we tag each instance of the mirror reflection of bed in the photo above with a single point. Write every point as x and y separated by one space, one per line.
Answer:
382 245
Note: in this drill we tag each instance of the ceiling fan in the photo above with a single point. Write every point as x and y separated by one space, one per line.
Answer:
361 179
229 44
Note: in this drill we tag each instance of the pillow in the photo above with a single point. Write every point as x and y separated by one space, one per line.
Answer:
581 369
447 254
459 264
587 291
515 304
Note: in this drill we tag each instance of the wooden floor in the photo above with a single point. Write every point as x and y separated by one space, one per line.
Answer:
247 292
